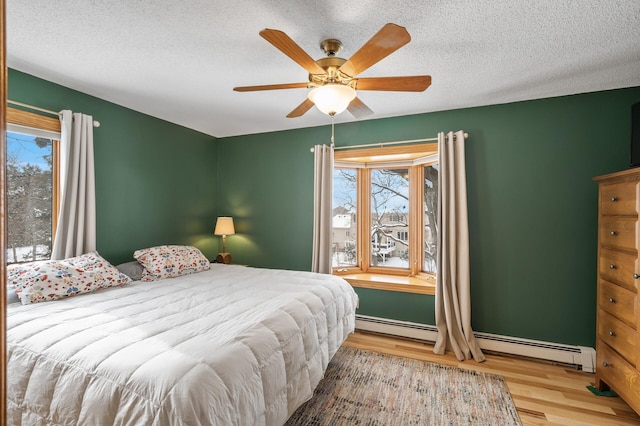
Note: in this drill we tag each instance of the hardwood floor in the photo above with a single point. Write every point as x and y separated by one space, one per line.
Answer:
544 393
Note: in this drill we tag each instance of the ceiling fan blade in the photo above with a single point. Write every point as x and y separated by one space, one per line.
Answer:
386 41
305 106
417 83
358 109
286 45
271 87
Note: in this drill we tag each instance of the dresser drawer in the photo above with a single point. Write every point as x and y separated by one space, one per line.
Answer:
618 198
619 375
618 335
618 232
618 301
619 267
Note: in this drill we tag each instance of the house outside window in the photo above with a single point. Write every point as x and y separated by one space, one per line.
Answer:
344 224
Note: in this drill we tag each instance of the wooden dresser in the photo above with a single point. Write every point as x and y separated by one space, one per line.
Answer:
618 310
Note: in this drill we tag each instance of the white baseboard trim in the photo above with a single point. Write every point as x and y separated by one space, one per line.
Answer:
581 356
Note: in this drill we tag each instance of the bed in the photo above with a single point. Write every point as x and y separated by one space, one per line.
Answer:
229 345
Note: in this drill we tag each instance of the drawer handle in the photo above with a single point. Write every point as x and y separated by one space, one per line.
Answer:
611 333
613 233
612 300
635 275
606 364
614 199
612 266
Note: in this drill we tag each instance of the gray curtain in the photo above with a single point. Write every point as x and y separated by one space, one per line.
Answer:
76 230
453 304
322 208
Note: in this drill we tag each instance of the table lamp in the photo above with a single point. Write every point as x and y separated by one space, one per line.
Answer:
224 227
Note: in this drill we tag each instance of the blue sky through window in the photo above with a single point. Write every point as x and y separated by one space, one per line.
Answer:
24 148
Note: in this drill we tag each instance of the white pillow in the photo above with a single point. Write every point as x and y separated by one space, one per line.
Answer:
55 279
170 261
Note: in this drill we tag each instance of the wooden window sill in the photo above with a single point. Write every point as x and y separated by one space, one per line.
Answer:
391 283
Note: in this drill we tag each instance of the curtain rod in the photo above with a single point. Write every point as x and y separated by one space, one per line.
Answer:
381 144
47 111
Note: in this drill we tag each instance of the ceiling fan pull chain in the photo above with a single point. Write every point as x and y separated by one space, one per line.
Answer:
332 138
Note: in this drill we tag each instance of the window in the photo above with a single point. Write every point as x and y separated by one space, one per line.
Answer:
344 218
385 210
32 189
430 200
389 201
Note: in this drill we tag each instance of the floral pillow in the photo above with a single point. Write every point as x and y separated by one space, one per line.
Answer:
170 261
55 279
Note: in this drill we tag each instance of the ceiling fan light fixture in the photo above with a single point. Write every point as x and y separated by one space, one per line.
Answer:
332 99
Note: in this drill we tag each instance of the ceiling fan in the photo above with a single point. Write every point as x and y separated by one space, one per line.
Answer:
334 80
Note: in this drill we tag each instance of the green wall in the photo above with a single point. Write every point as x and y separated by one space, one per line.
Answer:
532 201
532 206
156 182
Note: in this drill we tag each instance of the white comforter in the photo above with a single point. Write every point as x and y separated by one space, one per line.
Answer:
230 346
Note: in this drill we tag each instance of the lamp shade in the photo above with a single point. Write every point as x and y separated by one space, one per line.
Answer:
224 226
332 98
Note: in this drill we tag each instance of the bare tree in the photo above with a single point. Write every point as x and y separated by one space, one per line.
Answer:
389 207
431 182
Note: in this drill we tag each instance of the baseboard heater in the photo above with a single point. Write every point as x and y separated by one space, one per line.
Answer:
580 356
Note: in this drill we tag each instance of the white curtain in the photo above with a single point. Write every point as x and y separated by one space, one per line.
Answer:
453 304
322 208
76 230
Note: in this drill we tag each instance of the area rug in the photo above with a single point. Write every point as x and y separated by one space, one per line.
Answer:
368 388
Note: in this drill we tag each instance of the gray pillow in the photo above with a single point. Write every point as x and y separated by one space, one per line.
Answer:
131 269
12 297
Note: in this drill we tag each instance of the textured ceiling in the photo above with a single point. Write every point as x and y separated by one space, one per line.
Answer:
179 60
